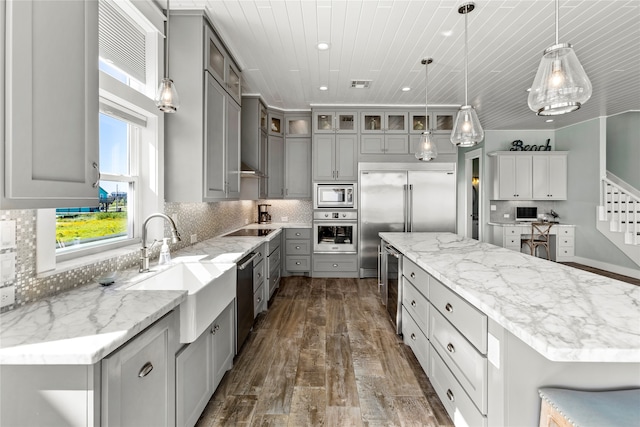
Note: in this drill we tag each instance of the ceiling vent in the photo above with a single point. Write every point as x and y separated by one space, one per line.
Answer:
360 84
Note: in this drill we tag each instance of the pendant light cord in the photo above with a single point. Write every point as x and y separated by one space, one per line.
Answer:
166 45
426 96
466 59
557 21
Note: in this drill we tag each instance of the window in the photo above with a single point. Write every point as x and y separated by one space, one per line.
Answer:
113 219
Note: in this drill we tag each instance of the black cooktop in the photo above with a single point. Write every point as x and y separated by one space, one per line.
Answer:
251 232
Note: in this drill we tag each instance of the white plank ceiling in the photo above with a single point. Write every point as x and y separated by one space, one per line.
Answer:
275 41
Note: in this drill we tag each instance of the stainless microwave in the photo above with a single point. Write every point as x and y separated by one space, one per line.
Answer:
334 196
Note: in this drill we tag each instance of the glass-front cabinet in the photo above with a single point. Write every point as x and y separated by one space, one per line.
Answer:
215 58
387 122
334 122
221 65
276 122
438 121
298 126
233 81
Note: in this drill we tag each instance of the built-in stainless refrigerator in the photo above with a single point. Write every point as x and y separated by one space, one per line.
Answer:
402 197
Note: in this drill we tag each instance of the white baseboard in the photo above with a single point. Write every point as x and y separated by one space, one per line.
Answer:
625 271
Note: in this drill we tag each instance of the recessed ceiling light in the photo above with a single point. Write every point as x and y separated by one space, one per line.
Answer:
406 89
548 120
323 88
323 46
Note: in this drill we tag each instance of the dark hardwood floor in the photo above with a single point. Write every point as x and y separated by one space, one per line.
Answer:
325 353
605 273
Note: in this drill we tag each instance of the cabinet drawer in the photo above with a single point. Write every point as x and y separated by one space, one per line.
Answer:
416 304
414 338
273 244
455 400
516 231
298 263
416 275
512 242
565 241
258 275
297 233
298 247
258 301
335 264
466 318
566 231
274 259
261 254
567 251
464 361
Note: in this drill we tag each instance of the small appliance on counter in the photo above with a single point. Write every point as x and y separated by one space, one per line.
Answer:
263 214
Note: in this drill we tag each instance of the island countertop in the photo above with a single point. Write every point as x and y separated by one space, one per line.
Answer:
565 314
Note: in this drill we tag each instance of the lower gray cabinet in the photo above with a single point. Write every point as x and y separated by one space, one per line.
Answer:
273 267
201 365
329 265
138 380
297 245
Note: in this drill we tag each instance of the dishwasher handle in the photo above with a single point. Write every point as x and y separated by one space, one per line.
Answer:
244 264
392 251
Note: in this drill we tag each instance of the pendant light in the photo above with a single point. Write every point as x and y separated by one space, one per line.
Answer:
467 130
167 97
427 150
561 85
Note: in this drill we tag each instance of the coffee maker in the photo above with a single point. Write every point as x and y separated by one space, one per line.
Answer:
263 214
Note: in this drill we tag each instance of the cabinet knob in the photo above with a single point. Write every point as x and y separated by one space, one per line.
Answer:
451 348
297 262
450 395
297 234
215 329
297 247
259 275
259 300
449 308
413 275
335 265
413 303
413 337
145 370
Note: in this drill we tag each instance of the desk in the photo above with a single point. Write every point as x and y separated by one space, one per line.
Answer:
562 238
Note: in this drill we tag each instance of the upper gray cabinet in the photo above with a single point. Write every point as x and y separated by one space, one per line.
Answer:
51 104
297 126
254 133
335 122
202 139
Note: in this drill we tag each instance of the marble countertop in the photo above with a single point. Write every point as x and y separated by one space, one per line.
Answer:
85 324
565 314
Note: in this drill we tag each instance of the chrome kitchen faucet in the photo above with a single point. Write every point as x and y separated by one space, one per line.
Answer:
144 251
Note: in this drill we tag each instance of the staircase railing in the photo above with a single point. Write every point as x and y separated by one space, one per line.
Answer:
621 207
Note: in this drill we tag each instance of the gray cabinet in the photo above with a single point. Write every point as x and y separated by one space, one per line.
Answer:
273 266
439 121
254 133
297 243
335 122
384 144
275 167
138 380
297 125
36 77
223 343
208 122
297 168
276 123
335 157
343 265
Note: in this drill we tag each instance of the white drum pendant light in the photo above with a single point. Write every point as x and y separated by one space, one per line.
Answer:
467 130
427 150
167 97
561 85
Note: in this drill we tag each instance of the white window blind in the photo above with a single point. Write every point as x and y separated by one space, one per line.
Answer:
121 41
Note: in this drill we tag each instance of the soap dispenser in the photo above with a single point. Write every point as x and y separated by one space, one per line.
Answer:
165 256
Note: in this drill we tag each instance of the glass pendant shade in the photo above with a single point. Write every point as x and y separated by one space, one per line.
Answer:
560 85
467 130
427 150
167 97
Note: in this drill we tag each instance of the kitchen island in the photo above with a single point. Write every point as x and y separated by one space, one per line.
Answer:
547 324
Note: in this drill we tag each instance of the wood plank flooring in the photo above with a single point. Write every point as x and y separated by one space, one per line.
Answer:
605 273
325 353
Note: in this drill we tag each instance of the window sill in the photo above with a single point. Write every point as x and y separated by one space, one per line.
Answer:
90 260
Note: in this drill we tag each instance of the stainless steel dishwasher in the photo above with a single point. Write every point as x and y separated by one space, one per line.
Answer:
244 299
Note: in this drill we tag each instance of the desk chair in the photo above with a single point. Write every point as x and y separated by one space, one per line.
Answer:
539 237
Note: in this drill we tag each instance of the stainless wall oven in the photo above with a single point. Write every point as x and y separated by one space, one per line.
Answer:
390 282
335 232
342 196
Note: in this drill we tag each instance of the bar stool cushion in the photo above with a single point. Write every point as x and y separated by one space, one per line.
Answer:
595 408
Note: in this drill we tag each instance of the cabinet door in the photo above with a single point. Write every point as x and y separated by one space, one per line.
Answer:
51 148
558 177
264 165
275 171
223 343
298 168
323 122
396 123
346 150
138 380
194 379
524 188
276 124
442 122
372 144
232 164
297 126
215 176
324 167
233 82
418 122
540 184
506 177
372 122
215 57
346 122
396 144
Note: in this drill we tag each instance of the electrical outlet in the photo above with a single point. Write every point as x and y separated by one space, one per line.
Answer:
7 267
194 238
507 215
493 207
7 295
284 219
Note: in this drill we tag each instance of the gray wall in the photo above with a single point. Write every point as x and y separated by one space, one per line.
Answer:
623 147
583 143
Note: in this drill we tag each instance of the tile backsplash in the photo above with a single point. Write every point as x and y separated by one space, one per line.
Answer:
296 211
206 220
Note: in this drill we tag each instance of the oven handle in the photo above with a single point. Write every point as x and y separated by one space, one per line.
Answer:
247 262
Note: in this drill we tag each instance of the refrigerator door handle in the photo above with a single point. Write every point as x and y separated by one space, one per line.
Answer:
406 204
410 208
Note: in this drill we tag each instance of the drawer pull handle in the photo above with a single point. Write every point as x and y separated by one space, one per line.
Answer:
215 329
413 275
449 308
146 370
297 234
451 348
259 275
335 265
413 337
297 247
413 303
450 395
297 262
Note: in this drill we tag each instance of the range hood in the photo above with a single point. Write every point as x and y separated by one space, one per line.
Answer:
247 171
